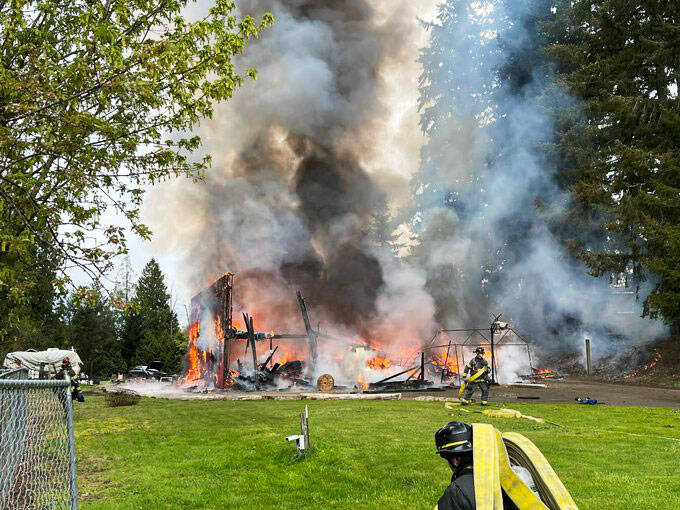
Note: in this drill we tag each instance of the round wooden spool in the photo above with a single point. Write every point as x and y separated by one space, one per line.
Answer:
325 383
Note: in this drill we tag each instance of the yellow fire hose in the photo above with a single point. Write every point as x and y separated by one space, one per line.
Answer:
494 454
523 452
470 379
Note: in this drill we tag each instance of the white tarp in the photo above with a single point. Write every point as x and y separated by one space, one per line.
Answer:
32 360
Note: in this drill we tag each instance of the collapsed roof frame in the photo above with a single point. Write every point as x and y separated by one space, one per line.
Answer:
490 341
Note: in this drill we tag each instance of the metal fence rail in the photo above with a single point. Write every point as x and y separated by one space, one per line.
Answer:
16 373
37 455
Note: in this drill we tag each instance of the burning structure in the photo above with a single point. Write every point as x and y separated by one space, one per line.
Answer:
210 327
223 353
212 358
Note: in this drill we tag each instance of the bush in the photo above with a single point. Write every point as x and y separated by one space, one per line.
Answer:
122 397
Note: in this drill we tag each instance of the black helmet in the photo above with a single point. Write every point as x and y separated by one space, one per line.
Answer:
454 437
479 350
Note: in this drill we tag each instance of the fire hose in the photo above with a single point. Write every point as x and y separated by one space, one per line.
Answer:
470 379
495 454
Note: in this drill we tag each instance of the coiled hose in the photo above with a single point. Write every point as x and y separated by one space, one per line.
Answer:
494 454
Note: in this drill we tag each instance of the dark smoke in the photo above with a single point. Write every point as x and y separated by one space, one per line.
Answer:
289 203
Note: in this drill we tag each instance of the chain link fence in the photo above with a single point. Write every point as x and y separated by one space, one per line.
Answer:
37 458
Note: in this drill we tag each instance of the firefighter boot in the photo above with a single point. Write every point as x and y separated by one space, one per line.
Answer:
464 401
484 403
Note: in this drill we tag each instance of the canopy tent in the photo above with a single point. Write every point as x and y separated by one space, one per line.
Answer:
32 360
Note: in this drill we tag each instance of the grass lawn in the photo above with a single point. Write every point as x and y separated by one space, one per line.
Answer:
366 455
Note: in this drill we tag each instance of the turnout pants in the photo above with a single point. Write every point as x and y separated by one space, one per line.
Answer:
482 385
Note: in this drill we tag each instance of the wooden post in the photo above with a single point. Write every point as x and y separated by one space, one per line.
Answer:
422 366
304 426
458 364
493 356
446 361
311 334
589 366
251 339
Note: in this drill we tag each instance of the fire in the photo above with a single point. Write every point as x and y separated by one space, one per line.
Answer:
544 373
229 381
657 358
285 358
361 382
378 363
449 365
651 364
194 369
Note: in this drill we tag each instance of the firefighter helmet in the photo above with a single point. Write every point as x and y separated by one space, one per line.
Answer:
454 437
479 350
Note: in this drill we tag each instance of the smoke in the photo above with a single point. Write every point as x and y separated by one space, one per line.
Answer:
313 163
309 164
487 189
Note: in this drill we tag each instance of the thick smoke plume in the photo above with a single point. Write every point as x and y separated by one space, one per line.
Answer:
312 162
309 164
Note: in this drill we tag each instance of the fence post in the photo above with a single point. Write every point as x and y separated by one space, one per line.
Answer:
71 447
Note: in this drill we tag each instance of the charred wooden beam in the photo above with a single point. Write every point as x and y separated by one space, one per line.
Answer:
381 381
311 334
269 358
251 338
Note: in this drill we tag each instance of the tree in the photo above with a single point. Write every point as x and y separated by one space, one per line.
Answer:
484 86
620 58
92 331
151 329
96 100
35 320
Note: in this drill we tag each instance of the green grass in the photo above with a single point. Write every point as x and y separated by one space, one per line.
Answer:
366 455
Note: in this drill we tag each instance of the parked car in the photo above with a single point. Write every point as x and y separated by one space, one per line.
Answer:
146 372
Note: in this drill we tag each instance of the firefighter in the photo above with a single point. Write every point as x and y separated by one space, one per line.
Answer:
477 363
454 444
67 370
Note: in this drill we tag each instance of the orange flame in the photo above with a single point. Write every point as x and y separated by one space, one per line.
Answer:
378 363
651 364
194 369
446 363
545 373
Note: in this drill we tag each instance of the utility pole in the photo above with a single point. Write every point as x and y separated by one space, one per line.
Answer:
493 352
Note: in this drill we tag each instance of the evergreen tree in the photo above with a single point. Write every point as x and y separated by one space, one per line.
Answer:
483 177
621 153
92 331
31 318
151 326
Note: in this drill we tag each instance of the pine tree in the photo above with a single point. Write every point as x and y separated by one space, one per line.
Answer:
152 323
621 152
92 331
